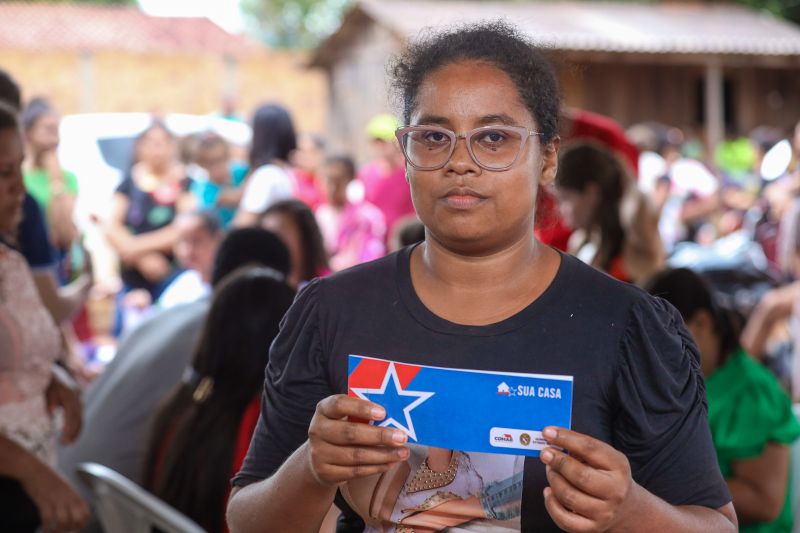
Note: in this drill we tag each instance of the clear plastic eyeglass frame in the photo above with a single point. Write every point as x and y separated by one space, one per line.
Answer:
522 132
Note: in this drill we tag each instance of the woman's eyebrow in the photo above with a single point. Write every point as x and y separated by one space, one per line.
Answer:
433 119
501 118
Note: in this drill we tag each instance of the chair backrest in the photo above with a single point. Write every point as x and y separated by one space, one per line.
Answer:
795 476
124 506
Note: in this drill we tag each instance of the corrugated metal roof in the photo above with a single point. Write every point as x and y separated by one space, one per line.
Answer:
38 26
682 28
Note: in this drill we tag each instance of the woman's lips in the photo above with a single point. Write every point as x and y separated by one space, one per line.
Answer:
462 198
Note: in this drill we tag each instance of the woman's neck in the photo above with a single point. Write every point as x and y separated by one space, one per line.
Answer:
479 290
466 271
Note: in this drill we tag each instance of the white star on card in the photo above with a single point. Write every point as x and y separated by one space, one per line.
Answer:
391 417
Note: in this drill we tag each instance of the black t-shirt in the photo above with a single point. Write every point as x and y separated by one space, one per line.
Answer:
147 212
34 242
637 382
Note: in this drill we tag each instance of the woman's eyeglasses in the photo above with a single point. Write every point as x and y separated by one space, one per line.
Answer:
491 147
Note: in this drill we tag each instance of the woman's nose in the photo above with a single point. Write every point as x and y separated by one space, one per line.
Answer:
461 161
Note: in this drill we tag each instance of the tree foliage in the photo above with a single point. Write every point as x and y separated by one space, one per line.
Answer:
789 9
293 23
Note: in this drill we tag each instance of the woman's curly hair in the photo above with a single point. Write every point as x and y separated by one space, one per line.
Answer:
495 42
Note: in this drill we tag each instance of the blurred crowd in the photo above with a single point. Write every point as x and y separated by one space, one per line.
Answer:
213 243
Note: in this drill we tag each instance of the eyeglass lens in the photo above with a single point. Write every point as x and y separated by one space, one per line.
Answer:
491 147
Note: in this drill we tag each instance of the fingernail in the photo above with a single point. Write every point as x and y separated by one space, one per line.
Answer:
402 453
399 437
378 413
546 492
547 456
550 433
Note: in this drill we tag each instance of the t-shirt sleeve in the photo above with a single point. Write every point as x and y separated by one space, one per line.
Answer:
761 414
267 185
34 242
661 422
71 183
126 186
296 380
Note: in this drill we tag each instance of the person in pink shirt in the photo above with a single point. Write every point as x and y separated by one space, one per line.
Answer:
354 232
384 178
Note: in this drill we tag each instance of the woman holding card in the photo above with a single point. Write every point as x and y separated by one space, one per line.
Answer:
480 293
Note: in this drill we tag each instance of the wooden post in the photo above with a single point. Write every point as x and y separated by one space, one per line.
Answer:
86 77
714 105
230 78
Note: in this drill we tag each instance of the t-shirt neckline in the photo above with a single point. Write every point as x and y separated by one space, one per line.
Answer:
434 322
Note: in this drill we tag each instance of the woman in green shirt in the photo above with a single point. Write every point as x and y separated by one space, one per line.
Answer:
751 417
54 188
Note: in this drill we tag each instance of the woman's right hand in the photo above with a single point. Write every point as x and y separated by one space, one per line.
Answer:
340 449
60 506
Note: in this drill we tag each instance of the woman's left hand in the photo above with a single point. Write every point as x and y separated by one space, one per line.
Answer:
591 489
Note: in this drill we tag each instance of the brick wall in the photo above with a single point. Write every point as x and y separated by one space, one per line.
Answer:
108 81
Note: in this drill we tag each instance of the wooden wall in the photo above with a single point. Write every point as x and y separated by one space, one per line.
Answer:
629 87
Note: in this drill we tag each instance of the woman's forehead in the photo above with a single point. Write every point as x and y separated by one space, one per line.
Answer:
470 90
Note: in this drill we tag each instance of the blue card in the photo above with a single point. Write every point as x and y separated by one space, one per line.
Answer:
466 410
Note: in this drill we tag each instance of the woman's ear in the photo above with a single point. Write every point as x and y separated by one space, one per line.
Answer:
550 161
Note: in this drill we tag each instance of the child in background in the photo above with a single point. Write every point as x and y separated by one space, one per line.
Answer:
219 188
354 233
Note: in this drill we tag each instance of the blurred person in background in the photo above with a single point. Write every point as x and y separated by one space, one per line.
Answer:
143 207
751 419
784 197
384 178
577 125
353 232
54 188
32 493
307 161
407 232
274 139
218 401
294 223
219 188
775 319
683 190
120 406
736 158
32 240
616 230
199 235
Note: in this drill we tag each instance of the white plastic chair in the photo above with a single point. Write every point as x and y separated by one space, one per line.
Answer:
124 507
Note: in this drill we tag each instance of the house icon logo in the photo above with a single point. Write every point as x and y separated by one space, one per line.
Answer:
503 389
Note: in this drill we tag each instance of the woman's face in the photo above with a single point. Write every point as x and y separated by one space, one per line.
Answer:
43 135
12 189
578 207
157 149
465 207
